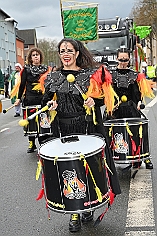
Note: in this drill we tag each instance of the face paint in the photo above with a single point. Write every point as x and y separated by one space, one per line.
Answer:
68 55
66 50
123 60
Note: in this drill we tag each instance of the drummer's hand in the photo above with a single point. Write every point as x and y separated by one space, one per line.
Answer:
17 102
138 105
53 105
89 102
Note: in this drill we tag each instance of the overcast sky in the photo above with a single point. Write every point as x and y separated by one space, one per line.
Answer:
35 13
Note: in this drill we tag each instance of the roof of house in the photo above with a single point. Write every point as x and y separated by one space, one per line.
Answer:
29 35
6 15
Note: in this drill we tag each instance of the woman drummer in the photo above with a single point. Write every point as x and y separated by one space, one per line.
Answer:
31 87
133 86
77 66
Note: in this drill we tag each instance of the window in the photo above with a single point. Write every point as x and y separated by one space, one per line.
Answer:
26 46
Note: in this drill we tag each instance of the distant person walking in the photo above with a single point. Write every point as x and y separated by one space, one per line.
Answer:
6 85
151 72
1 89
15 79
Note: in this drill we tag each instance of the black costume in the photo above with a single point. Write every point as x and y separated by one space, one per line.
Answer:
135 87
29 78
124 83
30 92
71 115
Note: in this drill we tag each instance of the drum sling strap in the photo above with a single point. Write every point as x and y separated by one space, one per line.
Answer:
71 121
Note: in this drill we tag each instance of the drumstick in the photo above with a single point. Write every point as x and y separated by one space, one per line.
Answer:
25 122
123 99
71 79
5 110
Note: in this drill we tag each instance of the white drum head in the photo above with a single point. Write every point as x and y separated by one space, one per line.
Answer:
86 145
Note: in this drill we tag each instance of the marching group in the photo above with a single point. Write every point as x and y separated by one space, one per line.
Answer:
38 85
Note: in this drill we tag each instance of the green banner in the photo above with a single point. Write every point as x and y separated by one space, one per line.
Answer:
81 24
143 31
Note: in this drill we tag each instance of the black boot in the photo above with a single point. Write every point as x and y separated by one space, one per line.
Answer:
87 216
149 164
75 223
137 164
32 147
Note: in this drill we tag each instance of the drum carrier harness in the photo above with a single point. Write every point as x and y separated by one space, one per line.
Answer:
123 80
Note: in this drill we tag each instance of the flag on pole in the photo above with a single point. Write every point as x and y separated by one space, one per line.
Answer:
81 24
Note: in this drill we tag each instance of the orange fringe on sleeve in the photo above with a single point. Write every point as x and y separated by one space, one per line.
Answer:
145 86
100 89
40 86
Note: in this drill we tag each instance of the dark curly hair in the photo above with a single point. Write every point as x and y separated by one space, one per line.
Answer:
29 55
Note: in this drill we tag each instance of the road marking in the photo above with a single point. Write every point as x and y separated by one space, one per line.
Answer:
2 130
150 104
140 213
141 233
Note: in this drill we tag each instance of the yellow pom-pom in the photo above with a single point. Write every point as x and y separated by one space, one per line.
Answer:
123 98
23 123
70 78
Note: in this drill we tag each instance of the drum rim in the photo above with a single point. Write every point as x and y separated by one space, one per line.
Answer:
29 107
124 121
75 157
78 211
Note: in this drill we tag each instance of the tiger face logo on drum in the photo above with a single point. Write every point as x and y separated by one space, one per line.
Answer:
73 187
44 120
120 145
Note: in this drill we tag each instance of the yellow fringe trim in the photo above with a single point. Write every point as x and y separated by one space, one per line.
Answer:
140 130
39 168
97 190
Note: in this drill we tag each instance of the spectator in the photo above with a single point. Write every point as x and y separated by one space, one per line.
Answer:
151 72
15 78
1 89
6 85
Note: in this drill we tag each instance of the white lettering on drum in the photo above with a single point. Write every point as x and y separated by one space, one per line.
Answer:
72 153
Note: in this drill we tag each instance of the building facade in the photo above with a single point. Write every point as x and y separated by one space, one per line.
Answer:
7 42
30 39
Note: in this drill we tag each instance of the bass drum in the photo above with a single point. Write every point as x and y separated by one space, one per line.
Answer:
74 173
128 139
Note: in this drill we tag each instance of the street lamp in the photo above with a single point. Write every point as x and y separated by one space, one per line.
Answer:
37 27
42 26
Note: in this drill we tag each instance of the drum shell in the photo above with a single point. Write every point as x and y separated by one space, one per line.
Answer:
36 126
45 127
119 127
55 182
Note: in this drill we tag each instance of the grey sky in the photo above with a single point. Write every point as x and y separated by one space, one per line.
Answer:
32 13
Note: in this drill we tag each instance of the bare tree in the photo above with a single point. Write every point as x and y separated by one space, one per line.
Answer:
49 48
144 12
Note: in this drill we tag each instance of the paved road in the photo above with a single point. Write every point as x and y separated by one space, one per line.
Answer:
133 212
